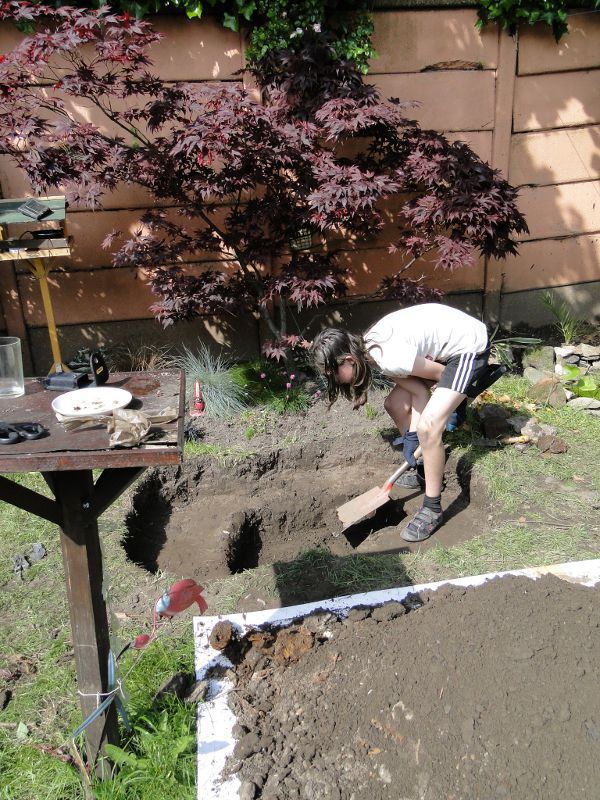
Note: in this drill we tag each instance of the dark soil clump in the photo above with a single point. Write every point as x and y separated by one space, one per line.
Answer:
488 692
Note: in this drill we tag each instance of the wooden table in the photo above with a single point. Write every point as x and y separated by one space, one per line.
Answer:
66 460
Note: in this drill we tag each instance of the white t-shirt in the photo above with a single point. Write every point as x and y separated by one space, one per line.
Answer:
430 330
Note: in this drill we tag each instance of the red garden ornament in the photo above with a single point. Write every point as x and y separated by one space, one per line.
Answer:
199 407
181 595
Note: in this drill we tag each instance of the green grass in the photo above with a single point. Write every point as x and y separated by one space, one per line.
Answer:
537 524
225 456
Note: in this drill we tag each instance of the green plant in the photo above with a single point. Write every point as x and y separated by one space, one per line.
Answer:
501 349
370 411
281 25
512 13
159 753
567 324
222 394
582 385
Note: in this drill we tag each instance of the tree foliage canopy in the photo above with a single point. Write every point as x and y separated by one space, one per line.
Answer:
239 178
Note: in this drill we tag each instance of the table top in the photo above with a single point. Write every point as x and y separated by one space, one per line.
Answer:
89 448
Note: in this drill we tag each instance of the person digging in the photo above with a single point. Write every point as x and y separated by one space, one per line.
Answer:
434 354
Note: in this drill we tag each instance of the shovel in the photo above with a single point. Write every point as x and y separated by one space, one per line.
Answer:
365 504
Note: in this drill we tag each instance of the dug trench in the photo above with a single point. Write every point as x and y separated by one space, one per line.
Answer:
473 694
206 521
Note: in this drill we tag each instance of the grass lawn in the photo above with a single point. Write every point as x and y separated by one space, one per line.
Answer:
549 514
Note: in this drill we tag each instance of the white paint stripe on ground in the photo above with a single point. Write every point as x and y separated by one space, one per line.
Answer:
216 720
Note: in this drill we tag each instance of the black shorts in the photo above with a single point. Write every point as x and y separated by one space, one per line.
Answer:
463 370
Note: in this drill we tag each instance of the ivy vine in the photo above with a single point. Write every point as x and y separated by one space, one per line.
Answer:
510 14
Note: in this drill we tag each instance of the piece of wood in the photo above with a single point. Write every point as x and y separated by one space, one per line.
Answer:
110 485
82 559
28 500
22 249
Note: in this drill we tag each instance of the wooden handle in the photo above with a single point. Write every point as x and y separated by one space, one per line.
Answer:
400 471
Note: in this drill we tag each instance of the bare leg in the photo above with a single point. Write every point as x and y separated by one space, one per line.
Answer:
430 429
406 402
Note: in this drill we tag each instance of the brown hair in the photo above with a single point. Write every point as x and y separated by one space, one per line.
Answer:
328 351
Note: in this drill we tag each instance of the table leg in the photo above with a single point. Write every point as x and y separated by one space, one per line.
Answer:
82 560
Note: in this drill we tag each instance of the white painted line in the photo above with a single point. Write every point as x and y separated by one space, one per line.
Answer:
216 720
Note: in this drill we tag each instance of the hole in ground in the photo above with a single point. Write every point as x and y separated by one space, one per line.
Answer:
245 542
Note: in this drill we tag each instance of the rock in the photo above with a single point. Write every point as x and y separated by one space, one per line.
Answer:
197 692
551 444
20 563
548 391
542 358
583 403
589 352
247 790
495 420
518 422
177 684
535 375
38 551
534 430
5 696
564 352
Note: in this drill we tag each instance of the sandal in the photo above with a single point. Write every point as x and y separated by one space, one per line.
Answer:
422 525
411 479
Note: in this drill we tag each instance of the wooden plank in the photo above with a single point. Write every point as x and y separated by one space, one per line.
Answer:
550 157
409 41
455 100
579 49
503 106
558 100
28 500
565 210
110 485
82 560
553 262
22 249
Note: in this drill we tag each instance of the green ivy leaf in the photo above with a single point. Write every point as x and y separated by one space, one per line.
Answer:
230 21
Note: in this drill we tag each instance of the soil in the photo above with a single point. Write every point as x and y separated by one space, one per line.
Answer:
476 693
204 520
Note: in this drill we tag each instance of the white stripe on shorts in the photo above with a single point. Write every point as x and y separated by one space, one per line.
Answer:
463 373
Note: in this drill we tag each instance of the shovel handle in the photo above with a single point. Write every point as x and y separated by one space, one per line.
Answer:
400 471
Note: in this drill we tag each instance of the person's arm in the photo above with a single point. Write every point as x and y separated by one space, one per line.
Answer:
425 368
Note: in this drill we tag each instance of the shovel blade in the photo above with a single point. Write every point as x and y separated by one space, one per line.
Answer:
362 506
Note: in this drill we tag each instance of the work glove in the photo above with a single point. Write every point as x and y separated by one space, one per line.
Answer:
456 418
410 442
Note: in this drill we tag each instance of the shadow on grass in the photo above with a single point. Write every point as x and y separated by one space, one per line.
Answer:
319 575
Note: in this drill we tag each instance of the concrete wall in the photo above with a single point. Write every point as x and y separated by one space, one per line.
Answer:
530 108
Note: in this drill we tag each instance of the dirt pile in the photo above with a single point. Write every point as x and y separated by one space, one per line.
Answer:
479 693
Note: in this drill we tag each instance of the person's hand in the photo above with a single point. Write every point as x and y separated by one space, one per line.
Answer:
410 442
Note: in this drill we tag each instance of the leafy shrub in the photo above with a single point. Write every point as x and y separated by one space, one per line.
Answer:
512 13
566 323
242 177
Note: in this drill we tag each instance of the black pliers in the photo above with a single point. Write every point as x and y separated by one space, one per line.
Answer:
12 432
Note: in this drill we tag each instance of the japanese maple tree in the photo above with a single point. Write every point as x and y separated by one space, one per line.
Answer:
241 178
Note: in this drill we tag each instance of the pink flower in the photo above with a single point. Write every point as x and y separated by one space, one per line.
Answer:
288 385
292 376
263 375
317 394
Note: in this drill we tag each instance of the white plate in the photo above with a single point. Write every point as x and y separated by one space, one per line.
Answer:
88 402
